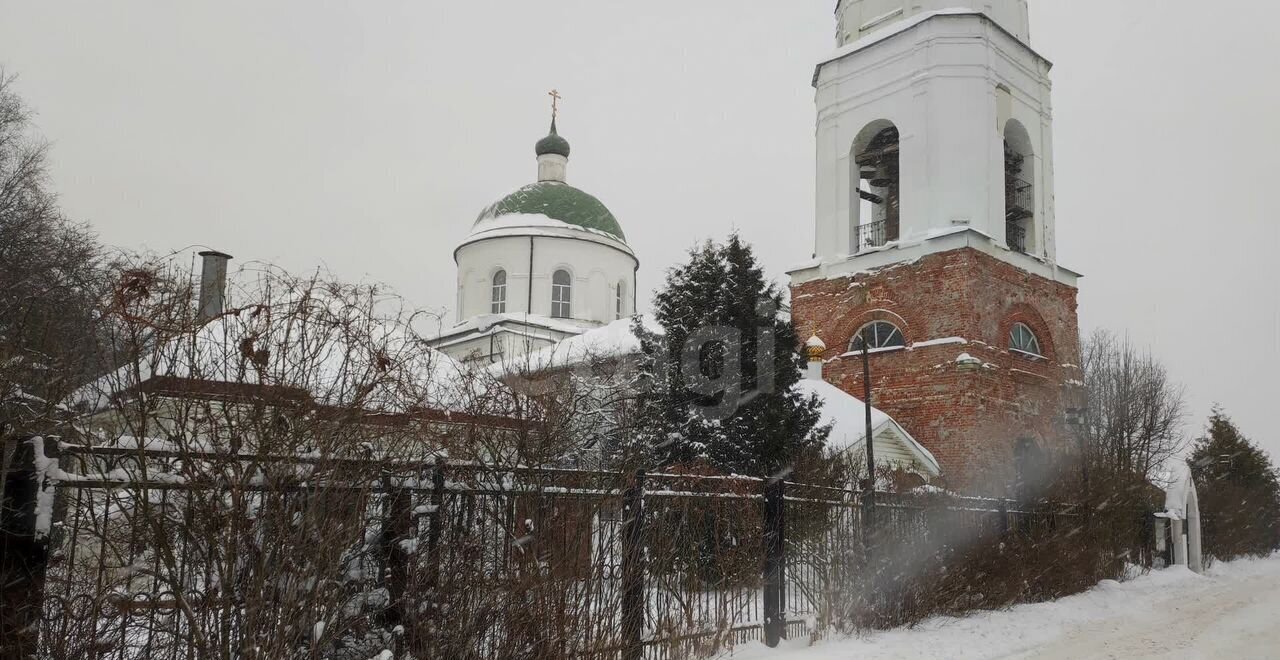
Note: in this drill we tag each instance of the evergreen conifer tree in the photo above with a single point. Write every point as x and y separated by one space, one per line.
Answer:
721 375
1239 492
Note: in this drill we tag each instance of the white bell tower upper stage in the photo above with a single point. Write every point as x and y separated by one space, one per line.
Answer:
859 18
934 132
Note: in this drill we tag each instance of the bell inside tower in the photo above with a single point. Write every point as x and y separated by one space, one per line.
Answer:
878 187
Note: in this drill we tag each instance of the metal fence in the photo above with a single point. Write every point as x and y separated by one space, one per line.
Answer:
151 554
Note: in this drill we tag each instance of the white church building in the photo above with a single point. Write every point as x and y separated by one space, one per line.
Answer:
544 263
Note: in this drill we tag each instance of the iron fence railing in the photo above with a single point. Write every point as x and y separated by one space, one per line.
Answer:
183 555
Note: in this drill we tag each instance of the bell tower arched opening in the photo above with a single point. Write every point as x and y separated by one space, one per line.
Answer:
1019 188
877 187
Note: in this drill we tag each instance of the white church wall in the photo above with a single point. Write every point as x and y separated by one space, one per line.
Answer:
597 285
937 83
1030 104
859 18
505 342
596 268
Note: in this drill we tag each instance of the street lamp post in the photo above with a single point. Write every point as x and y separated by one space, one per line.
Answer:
869 492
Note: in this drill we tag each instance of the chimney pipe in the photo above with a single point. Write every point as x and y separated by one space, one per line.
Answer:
213 284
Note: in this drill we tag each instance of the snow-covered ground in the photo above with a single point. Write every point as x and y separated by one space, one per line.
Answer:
1233 612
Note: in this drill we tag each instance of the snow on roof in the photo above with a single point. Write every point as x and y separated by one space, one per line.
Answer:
334 353
1180 490
486 322
537 224
899 27
610 341
847 416
520 220
892 29
815 342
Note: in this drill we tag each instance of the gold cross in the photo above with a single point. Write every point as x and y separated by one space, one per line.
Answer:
555 102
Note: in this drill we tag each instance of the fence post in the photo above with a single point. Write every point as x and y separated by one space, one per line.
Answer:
870 561
24 550
431 583
397 528
435 519
633 568
869 519
775 616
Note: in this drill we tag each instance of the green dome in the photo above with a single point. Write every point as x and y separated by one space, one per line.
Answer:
558 201
552 144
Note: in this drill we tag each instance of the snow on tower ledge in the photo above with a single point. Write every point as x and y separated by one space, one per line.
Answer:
861 19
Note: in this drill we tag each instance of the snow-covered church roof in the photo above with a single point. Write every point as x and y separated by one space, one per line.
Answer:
335 358
847 416
607 342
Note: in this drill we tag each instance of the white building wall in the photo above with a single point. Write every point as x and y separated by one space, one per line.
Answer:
859 18
597 266
937 82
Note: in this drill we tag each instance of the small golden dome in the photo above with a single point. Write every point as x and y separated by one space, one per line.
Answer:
814 348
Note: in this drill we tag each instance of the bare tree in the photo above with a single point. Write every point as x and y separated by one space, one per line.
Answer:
49 279
1135 414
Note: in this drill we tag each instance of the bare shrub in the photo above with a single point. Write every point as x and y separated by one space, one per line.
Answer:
232 480
941 555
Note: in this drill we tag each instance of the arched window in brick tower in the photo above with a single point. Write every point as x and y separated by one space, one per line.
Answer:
876 199
1023 340
1019 188
877 335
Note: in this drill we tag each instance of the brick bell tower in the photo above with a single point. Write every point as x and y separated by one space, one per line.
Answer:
935 235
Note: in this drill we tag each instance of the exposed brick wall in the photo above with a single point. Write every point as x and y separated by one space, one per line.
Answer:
971 415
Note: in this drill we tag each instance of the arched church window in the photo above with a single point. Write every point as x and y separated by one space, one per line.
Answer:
877 334
1019 193
498 301
561 295
618 298
1023 340
877 183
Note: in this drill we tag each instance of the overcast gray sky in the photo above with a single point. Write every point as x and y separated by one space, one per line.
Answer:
367 136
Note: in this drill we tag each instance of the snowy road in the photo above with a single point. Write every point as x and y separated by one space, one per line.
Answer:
1232 613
